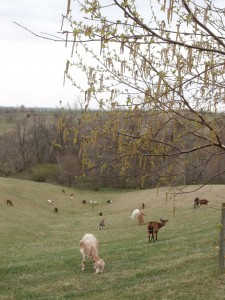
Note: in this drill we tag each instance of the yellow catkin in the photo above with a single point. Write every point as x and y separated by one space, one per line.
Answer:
190 59
74 42
178 32
206 74
164 5
159 85
66 39
205 16
68 7
62 23
101 81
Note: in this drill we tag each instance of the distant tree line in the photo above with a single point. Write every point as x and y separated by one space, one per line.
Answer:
78 149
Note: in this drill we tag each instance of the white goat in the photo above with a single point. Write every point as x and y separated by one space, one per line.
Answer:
50 201
89 247
93 202
135 214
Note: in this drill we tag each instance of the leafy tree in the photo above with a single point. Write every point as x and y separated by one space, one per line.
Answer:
162 72
155 72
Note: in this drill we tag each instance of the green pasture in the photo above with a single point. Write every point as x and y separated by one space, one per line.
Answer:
40 256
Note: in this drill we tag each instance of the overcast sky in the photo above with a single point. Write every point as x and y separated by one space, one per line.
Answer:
32 69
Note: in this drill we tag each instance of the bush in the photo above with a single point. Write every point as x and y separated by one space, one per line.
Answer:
45 173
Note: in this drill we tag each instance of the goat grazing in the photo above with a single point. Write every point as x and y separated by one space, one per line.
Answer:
109 201
198 202
102 224
93 202
50 201
203 202
140 218
84 201
135 214
9 202
56 210
153 228
89 247
143 205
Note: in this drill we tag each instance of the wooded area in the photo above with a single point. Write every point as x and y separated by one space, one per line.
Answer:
39 146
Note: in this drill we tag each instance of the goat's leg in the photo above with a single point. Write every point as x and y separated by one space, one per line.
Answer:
152 237
94 265
150 233
83 263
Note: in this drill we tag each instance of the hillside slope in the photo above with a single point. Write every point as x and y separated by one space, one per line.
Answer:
40 256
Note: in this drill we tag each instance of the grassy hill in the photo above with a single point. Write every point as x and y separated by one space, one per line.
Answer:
40 256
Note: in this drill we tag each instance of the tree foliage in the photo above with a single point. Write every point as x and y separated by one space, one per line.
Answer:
155 71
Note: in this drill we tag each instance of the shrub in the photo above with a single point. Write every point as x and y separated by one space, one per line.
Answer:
45 173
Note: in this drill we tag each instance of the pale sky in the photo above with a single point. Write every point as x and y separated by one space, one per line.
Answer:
32 69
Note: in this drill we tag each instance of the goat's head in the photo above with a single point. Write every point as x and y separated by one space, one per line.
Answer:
163 221
99 266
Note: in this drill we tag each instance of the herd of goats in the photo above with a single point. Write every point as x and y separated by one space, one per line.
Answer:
89 244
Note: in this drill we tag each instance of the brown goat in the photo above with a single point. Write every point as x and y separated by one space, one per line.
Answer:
198 202
102 224
153 228
9 202
203 202
141 218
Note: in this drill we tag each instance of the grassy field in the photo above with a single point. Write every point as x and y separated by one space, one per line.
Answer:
40 256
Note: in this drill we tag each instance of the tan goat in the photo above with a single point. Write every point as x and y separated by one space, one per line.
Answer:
140 218
89 247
